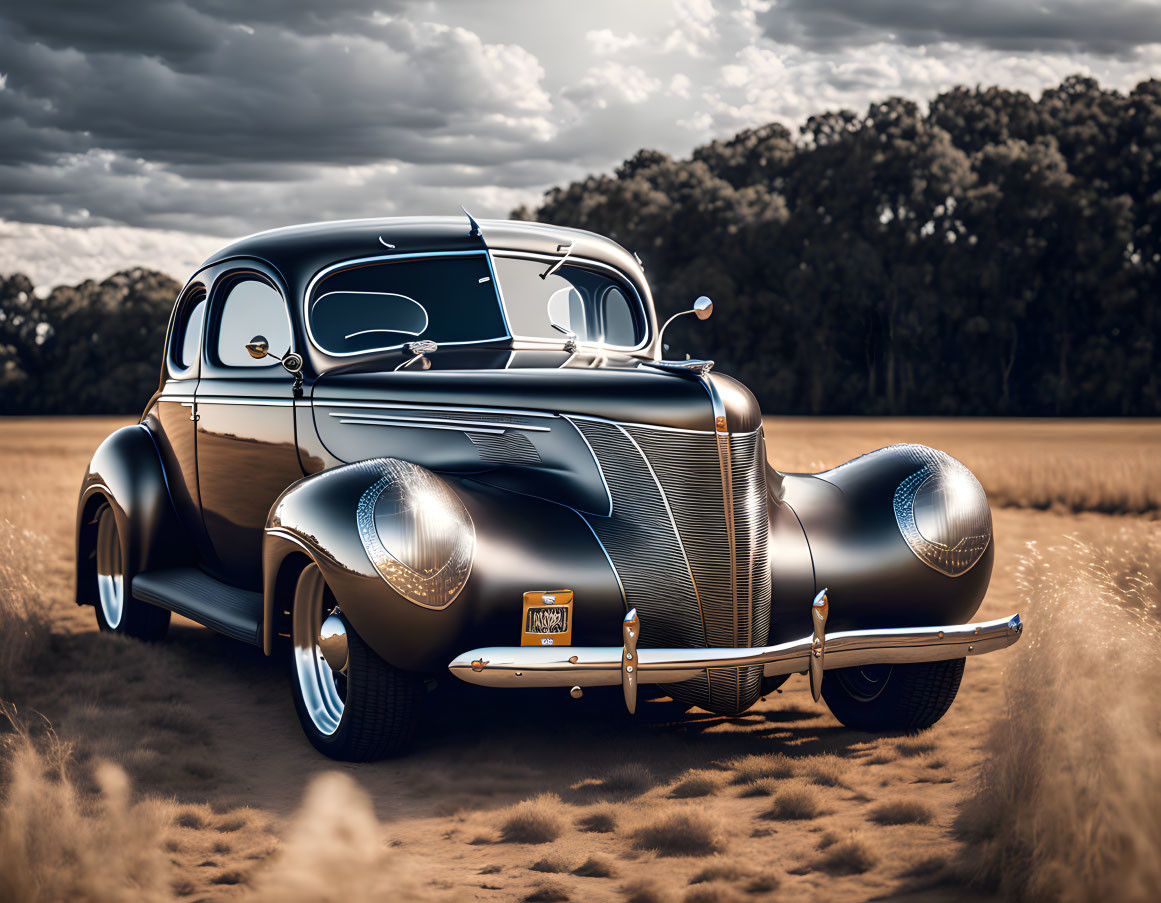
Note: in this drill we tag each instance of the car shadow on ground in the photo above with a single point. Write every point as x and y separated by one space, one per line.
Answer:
210 720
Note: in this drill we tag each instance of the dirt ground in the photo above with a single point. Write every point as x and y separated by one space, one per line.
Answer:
779 803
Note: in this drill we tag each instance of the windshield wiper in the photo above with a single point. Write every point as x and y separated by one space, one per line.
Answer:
556 266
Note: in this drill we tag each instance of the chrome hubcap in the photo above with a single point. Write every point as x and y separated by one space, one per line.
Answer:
322 687
864 683
110 573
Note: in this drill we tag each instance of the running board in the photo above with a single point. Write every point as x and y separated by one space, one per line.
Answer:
196 595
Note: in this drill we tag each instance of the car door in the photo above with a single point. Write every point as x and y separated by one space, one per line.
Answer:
246 447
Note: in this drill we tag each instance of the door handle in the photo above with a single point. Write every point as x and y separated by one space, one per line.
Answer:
193 406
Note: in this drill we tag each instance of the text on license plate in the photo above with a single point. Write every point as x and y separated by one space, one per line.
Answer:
547 618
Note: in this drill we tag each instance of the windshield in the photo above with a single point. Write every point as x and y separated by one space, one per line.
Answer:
449 299
596 307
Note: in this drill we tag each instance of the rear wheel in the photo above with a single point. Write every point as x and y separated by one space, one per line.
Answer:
352 705
909 697
117 610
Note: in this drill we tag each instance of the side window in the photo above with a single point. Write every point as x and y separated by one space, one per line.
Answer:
187 330
251 308
619 327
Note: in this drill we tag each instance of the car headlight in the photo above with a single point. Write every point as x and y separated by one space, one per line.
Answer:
943 513
417 533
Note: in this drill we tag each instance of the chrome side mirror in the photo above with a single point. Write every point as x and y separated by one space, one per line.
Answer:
702 308
259 348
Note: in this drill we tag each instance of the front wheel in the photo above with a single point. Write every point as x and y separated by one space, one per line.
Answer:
352 705
909 697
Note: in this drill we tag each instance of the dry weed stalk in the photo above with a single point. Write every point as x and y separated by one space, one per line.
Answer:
1069 805
58 843
24 630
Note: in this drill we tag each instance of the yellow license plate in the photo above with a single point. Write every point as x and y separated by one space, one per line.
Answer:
547 618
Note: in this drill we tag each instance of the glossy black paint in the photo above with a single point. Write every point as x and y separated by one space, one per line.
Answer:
249 475
523 543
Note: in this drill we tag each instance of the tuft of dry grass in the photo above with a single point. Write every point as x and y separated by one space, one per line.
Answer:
682 832
764 883
751 769
630 779
913 747
794 804
602 820
595 867
24 625
828 770
1069 795
333 851
71 847
644 891
761 787
552 864
537 820
547 892
721 870
902 812
695 784
714 892
851 856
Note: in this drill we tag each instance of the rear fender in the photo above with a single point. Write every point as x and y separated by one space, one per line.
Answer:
126 473
522 544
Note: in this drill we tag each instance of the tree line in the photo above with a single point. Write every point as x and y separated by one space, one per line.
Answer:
993 255
93 348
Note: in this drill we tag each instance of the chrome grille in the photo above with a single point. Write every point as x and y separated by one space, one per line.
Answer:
668 540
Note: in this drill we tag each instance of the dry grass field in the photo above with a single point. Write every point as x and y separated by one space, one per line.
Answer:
177 771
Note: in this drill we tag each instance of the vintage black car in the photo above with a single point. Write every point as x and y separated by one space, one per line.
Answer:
417 447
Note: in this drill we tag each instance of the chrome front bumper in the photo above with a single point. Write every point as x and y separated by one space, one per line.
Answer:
598 666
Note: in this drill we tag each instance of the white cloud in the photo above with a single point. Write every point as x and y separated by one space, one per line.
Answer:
57 255
606 42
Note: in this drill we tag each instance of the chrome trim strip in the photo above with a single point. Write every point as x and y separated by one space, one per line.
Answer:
243 400
491 425
601 474
594 666
415 424
647 426
403 406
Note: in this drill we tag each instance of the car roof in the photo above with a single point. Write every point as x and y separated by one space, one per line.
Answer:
301 251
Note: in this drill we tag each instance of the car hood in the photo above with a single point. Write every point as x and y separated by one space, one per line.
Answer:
631 393
519 428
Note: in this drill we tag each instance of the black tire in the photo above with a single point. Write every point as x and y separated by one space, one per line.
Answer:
380 704
880 698
112 599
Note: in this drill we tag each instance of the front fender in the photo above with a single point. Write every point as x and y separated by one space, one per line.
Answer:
522 544
874 579
126 472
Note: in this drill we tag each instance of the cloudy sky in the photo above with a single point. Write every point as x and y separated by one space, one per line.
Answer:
222 117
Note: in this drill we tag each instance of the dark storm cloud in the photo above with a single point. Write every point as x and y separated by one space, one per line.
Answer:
1106 27
224 90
